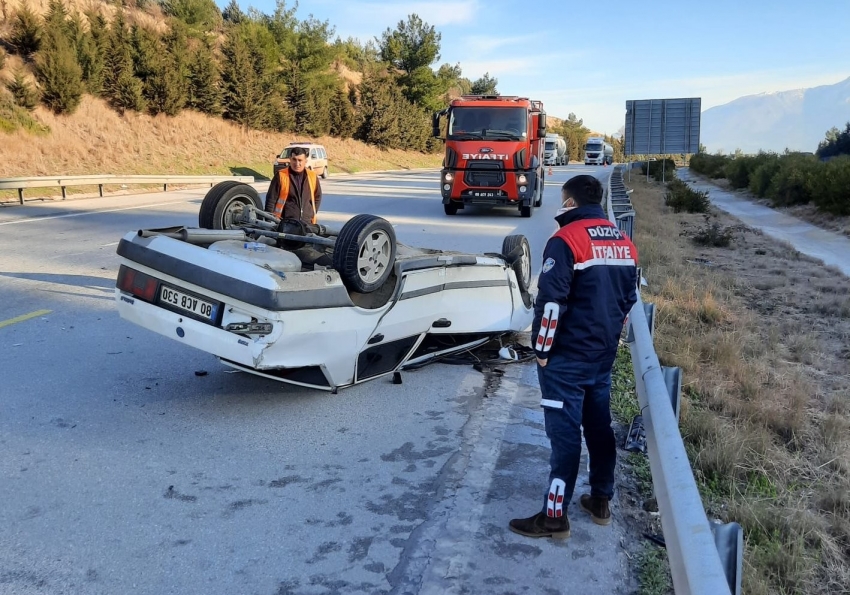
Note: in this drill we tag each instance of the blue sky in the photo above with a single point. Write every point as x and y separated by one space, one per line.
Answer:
590 57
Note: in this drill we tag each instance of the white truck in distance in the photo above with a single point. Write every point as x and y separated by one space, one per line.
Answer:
598 152
555 150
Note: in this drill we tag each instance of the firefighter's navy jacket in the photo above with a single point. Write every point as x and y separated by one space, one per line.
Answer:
586 288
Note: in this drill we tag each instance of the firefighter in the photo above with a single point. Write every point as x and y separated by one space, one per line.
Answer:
586 288
295 192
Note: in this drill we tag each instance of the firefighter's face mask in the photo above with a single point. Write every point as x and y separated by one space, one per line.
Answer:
567 203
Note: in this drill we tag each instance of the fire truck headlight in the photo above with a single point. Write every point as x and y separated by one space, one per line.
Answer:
522 179
523 188
447 187
448 177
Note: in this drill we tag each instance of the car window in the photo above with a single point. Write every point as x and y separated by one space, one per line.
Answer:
322 153
313 154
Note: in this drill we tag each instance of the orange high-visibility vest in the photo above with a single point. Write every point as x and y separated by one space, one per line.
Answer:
284 191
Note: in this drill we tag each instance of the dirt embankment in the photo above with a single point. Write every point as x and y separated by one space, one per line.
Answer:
97 140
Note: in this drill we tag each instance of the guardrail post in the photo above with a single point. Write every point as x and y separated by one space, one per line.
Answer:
165 187
63 192
100 189
729 538
673 380
21 195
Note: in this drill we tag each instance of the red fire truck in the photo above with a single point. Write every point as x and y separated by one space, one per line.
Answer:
494 152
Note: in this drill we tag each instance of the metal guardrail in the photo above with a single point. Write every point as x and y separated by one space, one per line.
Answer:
705 558
20 184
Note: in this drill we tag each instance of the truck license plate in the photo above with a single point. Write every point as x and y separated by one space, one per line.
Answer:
188 303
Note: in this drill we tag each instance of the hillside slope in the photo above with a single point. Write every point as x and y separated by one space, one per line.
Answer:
95 139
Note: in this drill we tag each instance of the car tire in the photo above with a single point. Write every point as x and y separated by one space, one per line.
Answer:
520 263
364 254
205 213
325 173
222 201
450 209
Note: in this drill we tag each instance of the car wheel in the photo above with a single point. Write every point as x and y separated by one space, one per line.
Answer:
364 253
450 209
525 211
517 253
205 214
223 203
325 173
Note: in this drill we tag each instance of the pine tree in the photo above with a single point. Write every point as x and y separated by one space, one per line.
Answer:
204 82
380 113
343 122
26 32
233 14
94 62
244 99
166 72
89 55
56 66
22 91
120 85
297 100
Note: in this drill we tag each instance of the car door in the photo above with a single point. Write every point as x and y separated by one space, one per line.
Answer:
418 306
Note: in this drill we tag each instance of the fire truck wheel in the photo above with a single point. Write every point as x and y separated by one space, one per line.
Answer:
450 209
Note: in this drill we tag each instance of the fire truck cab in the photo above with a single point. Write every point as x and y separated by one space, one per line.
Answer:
494 152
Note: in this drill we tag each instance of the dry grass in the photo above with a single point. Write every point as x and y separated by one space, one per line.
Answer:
151 17
761 333
97 140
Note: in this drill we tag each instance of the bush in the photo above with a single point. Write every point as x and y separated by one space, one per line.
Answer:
714 235
791 184
760 178
680 197
739 170
23 92
660 170
26 32
830 187
712 166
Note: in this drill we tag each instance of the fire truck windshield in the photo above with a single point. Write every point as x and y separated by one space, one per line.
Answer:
488 123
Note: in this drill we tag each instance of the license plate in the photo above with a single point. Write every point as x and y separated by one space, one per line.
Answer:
188 303
485 194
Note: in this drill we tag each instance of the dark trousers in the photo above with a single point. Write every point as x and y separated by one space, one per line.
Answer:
576 396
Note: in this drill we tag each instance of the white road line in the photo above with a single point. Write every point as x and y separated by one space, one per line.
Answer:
83 213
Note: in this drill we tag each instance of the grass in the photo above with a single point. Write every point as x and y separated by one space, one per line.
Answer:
624 404
766 398
654 572
96 140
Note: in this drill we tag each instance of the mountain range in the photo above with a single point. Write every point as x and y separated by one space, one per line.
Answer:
796 119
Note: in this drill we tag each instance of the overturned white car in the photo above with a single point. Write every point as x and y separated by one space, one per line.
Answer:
311 306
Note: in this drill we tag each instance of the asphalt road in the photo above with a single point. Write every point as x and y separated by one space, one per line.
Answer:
124 472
